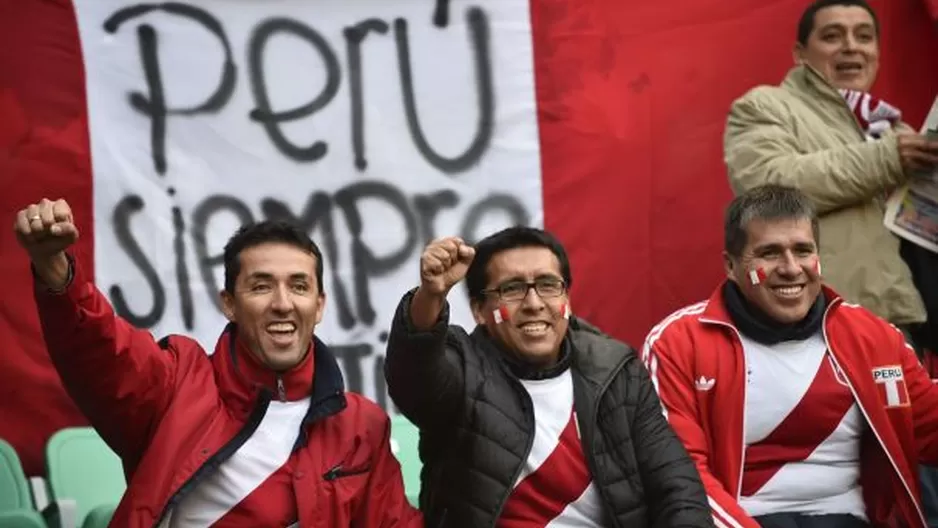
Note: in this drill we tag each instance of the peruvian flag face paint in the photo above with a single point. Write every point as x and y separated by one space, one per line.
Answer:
500 314
757 276
565 311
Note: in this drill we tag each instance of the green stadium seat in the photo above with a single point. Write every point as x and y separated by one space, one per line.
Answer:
83 470
99 517
16 507
405 438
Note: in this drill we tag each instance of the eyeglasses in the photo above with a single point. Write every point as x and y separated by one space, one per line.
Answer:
546 287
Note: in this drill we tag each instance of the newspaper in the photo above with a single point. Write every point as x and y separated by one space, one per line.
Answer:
912 211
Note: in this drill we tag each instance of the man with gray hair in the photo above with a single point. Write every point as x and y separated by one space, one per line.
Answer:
799 409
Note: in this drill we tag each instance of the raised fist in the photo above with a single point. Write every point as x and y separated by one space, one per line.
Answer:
46 230
444 263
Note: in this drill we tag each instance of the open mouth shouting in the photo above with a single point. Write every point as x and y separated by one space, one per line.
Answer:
282 332
849 68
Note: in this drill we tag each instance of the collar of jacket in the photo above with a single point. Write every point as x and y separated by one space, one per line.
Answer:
597 357
805 81
755 324
715 311
242 379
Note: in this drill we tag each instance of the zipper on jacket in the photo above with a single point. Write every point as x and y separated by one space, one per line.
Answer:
855 397
223 454
528 408
588 450
742 451
866 416
339 471
281 390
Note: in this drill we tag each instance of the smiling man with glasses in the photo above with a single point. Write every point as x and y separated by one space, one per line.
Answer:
535 418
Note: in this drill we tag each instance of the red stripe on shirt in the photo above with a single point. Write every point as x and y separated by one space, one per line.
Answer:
812 421
545 493
271 504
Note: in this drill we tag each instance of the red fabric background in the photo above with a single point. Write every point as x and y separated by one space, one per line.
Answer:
43 152
632 96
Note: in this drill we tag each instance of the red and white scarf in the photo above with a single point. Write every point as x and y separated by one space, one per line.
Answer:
874 115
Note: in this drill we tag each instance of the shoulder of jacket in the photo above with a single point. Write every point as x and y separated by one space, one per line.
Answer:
855 316
460 343
368 411
678 323
457 336
589 335
185 348
363 416
191 363
765 98
864 330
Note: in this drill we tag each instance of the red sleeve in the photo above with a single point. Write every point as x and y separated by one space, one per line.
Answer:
117 375
385 504
923 395
675 383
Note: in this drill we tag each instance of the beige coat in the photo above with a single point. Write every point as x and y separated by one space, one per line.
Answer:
802 134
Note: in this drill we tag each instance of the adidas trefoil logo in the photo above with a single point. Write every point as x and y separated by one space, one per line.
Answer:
704 384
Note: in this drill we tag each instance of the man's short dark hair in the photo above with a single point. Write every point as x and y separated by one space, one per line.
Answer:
251 235
511 238
806 24
768 202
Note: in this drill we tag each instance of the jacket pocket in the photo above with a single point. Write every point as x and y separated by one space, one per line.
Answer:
337 472
350 464
344 483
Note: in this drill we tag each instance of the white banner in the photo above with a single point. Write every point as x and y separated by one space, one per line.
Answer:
373 124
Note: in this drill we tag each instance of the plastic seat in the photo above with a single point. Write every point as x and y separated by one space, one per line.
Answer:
16 507
99 517
405 439
83 469
21 519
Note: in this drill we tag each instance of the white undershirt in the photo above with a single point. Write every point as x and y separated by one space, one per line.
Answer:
552 399
265 452
827 481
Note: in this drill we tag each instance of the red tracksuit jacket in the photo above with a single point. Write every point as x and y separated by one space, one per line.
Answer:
700 341
173 414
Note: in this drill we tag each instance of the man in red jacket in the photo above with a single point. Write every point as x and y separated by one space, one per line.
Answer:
799 409
261 433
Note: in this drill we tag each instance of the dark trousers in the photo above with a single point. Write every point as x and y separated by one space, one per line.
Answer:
798 520
924 267
928 479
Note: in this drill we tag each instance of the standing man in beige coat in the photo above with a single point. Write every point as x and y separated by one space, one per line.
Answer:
822 132
805 134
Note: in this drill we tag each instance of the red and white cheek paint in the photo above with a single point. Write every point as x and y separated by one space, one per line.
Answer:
757 276
500 314
565 310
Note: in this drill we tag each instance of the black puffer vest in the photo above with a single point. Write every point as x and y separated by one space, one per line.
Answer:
472 460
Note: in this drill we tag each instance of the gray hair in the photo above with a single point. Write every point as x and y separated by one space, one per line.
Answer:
766 202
